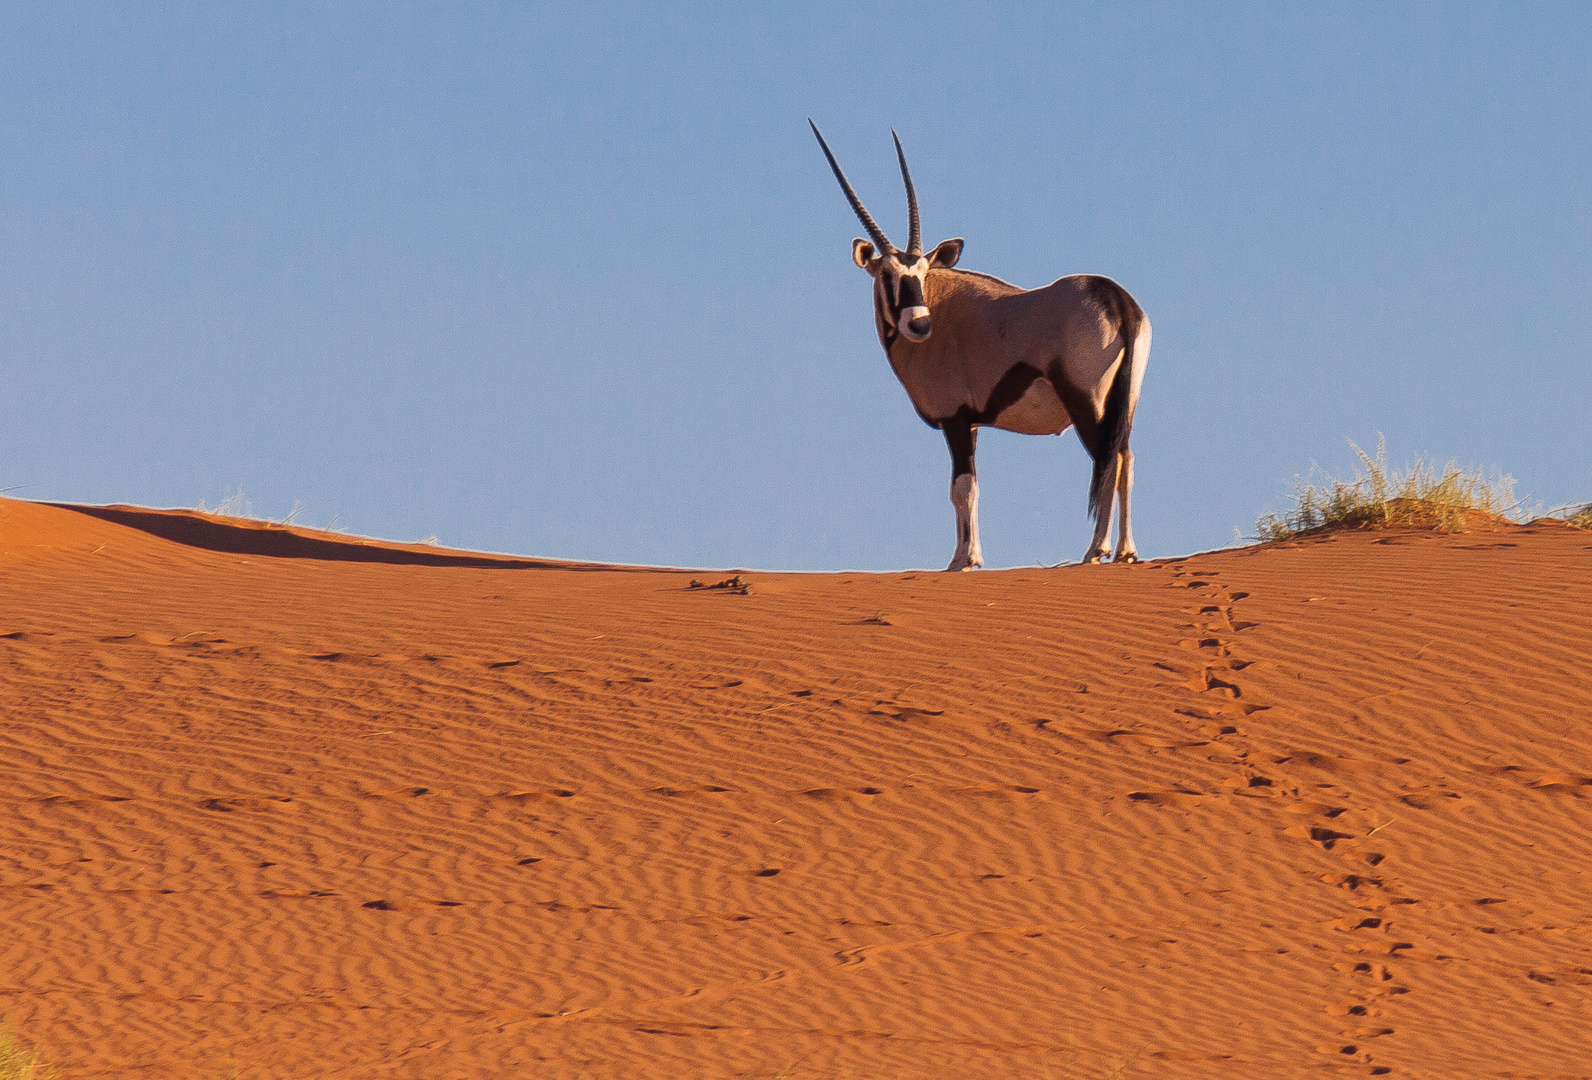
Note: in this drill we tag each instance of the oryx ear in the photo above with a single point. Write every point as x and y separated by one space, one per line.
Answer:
946 254
861 252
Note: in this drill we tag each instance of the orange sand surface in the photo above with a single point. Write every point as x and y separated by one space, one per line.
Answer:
308 806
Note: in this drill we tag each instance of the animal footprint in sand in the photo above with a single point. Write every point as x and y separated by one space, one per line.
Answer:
1351 923
1375 972
1327 838
1350 1009
1352 1052
1207 681
1174 797
1352 882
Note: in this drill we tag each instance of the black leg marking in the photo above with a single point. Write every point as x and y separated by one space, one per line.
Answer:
962 437
1080 410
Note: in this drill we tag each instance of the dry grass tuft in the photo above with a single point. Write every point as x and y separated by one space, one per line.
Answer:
235 505
17 1062
1580 516
1449 500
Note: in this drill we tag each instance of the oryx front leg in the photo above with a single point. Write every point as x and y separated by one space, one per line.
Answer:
1126 552
962 439
964 496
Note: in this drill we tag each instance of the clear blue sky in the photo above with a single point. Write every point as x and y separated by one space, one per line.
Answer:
575 280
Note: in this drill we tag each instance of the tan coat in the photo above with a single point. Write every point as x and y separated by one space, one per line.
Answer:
1067 332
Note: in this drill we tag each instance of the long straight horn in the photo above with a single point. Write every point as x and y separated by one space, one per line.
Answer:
915 235
879 238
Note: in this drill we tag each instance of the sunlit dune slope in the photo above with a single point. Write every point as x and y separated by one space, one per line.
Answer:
315 807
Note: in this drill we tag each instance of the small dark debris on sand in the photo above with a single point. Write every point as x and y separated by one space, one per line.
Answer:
733 584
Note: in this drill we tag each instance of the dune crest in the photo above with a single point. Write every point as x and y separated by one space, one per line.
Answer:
313 806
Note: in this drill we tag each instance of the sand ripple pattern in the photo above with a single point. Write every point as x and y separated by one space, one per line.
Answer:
1312 809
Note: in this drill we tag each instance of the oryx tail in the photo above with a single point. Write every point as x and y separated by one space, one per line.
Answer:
1117 422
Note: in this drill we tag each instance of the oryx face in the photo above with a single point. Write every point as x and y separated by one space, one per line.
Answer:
900 282
900 278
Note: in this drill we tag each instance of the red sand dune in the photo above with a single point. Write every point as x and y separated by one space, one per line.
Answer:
315 807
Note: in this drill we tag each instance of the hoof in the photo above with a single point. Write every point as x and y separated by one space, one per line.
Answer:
969 558
1094 558
1126 557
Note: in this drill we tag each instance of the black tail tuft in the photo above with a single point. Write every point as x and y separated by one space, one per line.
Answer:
1117 422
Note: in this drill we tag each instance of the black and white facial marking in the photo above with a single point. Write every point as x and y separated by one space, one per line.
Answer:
899 277
899 285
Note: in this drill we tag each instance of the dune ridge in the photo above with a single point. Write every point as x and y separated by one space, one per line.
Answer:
1312 807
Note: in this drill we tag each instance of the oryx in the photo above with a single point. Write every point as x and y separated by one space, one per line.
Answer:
972 350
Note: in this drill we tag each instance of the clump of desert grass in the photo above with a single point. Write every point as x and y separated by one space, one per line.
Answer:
17 1062
1579 516
1423 496
235 505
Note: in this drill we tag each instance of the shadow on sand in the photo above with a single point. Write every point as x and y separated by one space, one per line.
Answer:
277 542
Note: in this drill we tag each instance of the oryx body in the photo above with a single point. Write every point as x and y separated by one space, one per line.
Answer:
974 351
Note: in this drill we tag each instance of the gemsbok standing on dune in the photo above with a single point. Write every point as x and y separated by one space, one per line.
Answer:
973 351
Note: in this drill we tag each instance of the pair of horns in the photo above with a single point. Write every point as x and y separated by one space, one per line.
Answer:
915 235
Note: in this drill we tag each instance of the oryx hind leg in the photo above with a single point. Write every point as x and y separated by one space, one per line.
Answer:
962 439
1100 546
1126 551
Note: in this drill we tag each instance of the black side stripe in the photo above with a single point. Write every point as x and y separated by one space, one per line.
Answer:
1013 385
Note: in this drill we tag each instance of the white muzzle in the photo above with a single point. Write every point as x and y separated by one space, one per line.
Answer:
903 324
